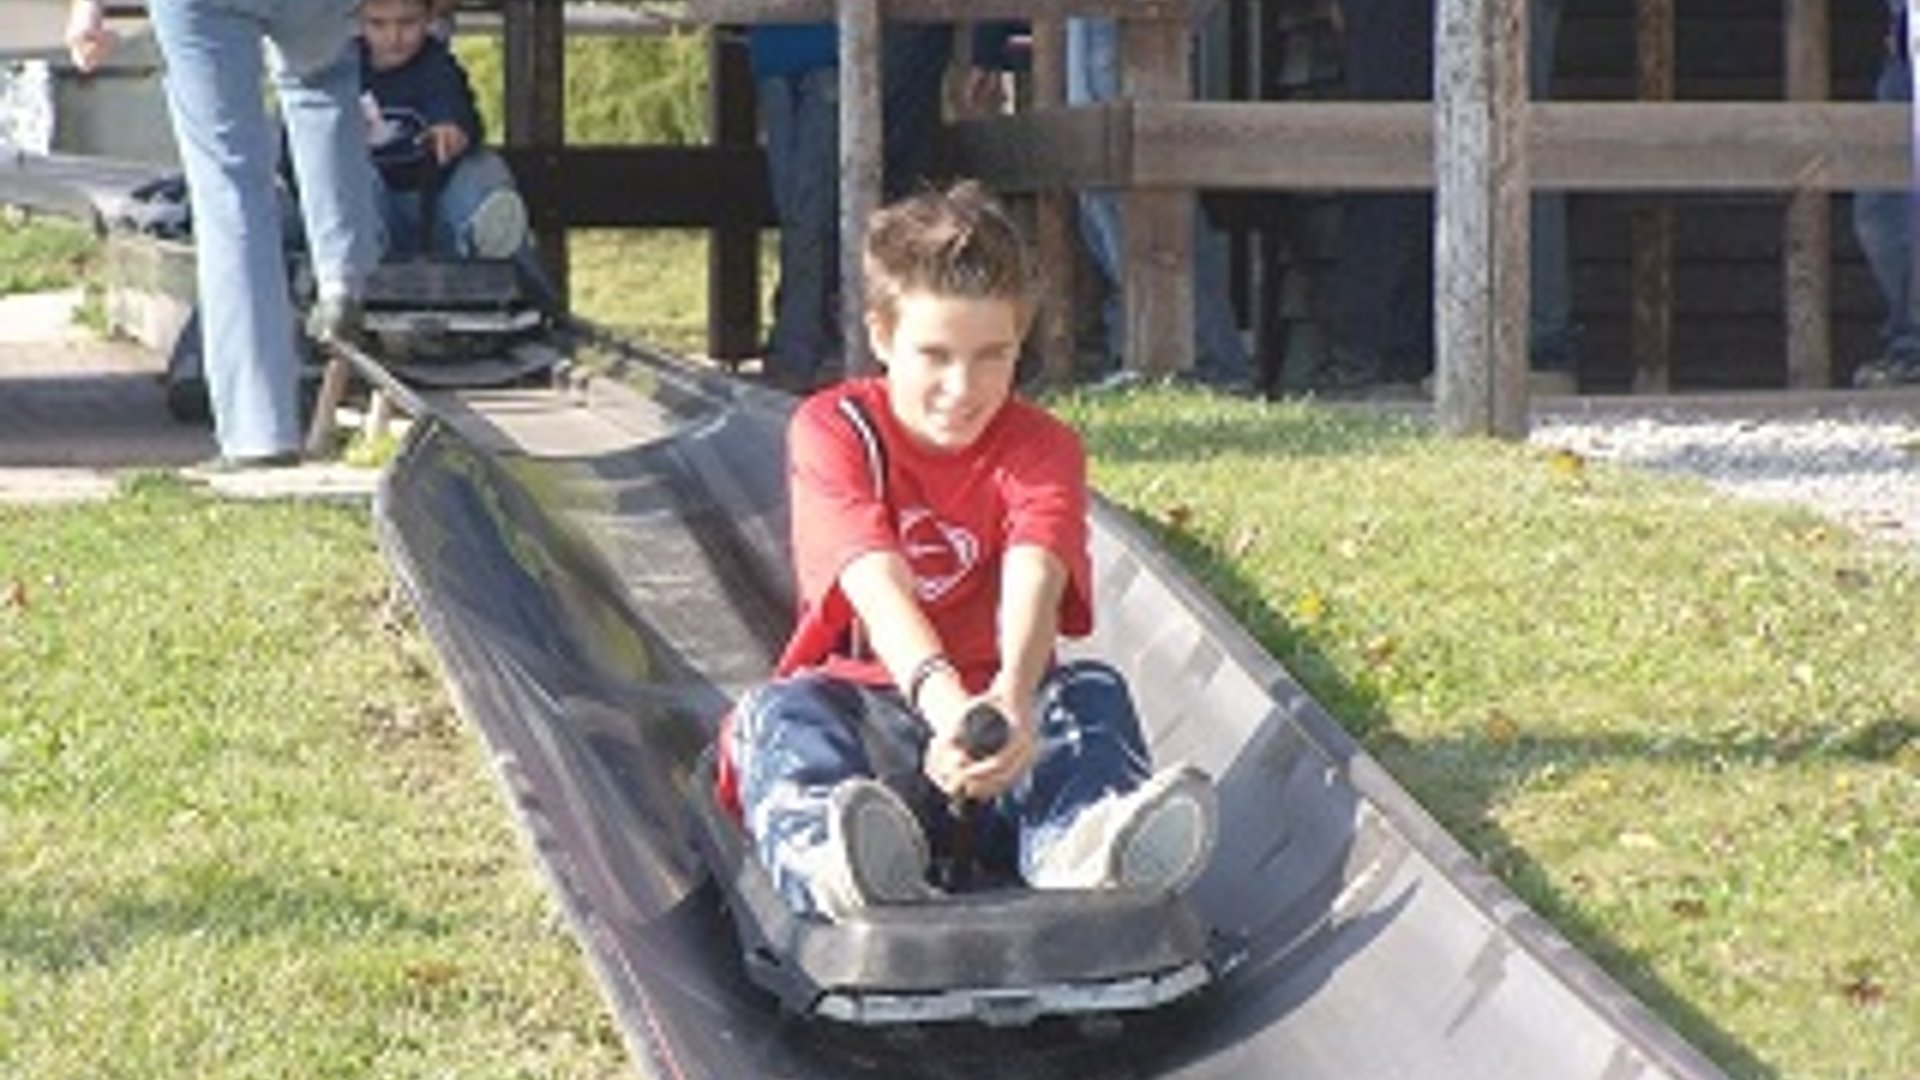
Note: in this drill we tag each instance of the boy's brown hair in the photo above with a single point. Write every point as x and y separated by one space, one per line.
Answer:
957 241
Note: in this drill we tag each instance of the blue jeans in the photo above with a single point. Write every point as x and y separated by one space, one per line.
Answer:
215 65
793 740
800 114
475 176
1093 75
1553 337
1883 221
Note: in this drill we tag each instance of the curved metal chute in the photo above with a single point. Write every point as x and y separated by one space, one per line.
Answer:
595 614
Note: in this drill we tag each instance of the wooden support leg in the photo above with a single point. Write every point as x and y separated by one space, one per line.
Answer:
333 389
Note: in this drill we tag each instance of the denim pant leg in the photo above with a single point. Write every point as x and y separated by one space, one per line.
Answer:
793 740
317 78
214 72
1883 222
1093 75
1090 746
1550 281
477 176
802 118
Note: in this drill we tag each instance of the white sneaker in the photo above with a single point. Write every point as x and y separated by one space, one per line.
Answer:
874 853
1157 836
498 226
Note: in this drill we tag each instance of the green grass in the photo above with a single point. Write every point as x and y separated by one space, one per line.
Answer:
42 254
1686 730
244 834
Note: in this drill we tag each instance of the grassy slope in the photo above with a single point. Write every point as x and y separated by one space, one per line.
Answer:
244 834
1685 730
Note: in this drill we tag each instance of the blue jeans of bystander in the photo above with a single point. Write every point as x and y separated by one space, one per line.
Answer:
215 66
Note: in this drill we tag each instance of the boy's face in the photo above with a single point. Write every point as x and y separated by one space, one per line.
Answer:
950 364
394 30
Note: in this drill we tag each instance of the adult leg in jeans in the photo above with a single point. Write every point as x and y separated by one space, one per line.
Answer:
1381 309
1883 222
1093 75
214 62
1550 285
801 113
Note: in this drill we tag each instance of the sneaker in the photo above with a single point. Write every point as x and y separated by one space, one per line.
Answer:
1886 371
335 317
1157 836
498 226
875 852
227 465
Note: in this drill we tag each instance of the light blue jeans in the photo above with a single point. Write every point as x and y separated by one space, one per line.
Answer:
476 175
794 739
1093 75
215 66
1883 221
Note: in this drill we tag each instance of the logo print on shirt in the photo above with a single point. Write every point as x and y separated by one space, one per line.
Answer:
940 554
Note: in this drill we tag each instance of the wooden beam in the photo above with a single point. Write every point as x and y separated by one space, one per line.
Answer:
791 11
671 187
860 165
1156 219
1807 266
535 93
1480 162
733 244
1055 213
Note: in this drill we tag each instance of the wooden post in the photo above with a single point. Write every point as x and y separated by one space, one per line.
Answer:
535 93
1480 196
733 248
1055 214
860 164
1157 223
1807 260
1651 331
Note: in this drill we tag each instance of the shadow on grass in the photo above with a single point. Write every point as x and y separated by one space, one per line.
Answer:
1168 428
1462 798
54 936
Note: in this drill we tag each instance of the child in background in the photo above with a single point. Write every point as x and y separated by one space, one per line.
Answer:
941 548
425 130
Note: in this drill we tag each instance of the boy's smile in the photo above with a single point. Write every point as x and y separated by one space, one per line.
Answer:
950 364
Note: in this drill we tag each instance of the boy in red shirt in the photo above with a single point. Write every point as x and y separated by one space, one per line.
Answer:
940 549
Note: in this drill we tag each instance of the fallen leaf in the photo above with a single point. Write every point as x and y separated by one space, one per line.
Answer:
1864 991
1379 650
1688 907
1566 464
1309 608
17 595
1500 728
1243 540
1179 516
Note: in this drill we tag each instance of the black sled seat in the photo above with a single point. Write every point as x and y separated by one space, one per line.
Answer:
596 614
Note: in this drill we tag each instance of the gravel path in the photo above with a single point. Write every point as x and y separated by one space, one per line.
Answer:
1856 460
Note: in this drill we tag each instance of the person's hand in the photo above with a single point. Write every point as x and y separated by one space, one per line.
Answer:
88 40
955 772
447 141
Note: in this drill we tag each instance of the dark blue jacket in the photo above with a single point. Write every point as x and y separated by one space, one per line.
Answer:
429 89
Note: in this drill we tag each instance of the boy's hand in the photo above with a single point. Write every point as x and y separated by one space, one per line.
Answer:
88 40
447 141
957 773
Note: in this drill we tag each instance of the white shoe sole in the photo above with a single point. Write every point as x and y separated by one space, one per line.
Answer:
1167 840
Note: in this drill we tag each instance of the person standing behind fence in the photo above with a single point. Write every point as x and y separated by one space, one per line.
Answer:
215 66
1381 308
796 74
1220 356
1883 223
